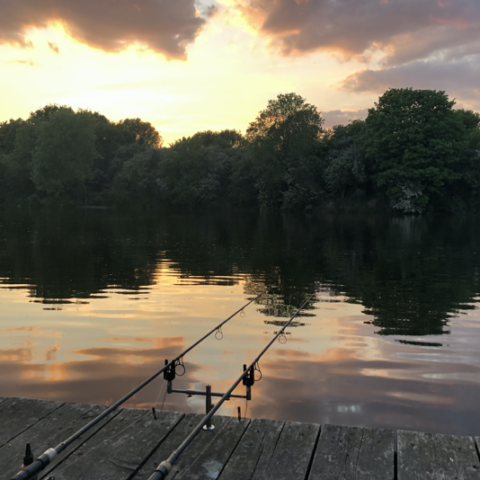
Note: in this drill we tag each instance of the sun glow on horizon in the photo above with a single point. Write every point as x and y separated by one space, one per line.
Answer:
228 77
215 66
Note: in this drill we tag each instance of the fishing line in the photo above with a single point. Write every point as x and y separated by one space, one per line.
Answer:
164 396
158 396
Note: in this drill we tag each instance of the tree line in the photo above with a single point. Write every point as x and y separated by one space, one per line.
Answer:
413 153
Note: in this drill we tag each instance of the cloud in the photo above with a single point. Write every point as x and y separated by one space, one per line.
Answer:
29 62
53 46
457 78
402 30
164 26
342 117
210 10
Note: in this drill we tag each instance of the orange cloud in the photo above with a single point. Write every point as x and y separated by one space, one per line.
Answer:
20 329
164 26
17 355
51 353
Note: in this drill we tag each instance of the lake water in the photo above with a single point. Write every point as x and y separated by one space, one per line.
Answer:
93 302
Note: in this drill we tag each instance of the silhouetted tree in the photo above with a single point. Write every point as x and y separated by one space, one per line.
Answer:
65 152
138 182
414 141
196 170
345 160
143 133
284 144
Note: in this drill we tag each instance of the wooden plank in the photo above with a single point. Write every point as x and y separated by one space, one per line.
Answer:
119 449
261 450
19 414
49 432
254 451
211 461
191 453
352 453
436 457
291 455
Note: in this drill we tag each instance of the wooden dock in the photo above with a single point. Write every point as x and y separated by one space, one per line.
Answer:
130 443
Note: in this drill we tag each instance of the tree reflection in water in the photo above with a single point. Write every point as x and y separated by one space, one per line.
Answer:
411 274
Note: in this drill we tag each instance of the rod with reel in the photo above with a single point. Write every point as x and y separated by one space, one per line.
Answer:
30 471
164 467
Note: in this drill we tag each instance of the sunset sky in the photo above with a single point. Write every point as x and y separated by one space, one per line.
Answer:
188 66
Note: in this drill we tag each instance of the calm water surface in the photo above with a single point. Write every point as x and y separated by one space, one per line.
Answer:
93 302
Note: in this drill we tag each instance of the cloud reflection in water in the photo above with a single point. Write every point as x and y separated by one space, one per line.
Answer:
384 346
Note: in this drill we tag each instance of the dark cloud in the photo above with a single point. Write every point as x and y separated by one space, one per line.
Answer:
342 117
53 46
459 79
29 62
164 26
404 30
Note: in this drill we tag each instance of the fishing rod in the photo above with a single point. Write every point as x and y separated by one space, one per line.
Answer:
30 471
248 379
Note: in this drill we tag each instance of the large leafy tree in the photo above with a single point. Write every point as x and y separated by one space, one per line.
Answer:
51 153
345 171
18 162
466 195
142 132
14 165
64 153
196 170
45 113
137 183
18 140
8 132
109 139
284 143
414 141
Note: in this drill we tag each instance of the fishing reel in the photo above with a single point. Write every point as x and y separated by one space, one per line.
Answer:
249 378
171 372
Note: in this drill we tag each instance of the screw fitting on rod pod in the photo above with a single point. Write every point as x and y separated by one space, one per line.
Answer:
41 462
208 406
